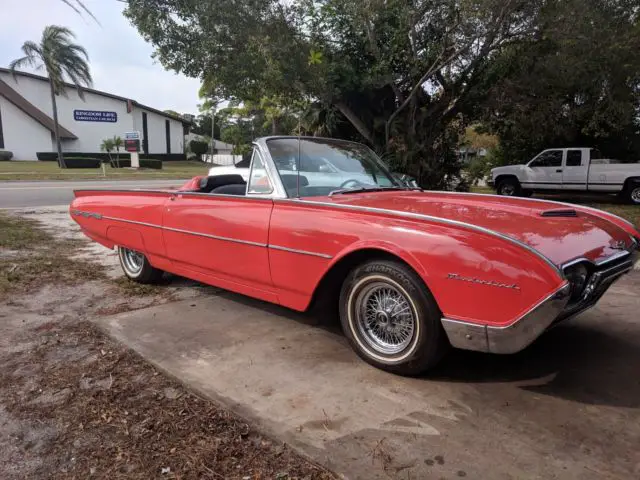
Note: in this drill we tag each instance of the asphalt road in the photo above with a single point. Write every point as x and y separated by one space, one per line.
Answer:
41 194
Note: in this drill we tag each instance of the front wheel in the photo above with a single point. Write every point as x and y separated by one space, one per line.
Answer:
137 267
509 187
391 319
633 194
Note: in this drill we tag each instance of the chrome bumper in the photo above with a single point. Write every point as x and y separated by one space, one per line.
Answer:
553 309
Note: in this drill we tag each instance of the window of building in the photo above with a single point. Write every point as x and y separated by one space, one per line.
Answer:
167 134
145 134
1 134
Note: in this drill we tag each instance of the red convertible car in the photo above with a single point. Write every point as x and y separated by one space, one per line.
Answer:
412 272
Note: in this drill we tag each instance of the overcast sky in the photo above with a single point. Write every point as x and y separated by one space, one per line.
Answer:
120 60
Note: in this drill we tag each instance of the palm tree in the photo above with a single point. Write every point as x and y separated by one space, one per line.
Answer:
108 145
59 57
117 144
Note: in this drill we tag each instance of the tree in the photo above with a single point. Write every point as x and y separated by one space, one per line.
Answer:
575 84
107 145
60 58
399 72
117 144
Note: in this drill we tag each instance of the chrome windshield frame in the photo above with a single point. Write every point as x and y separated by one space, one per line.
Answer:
274 174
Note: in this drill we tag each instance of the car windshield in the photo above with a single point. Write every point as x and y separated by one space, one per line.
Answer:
327 166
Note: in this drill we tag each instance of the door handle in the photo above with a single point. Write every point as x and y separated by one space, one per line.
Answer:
559 170
172 198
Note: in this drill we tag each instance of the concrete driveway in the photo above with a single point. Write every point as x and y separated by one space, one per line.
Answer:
567 407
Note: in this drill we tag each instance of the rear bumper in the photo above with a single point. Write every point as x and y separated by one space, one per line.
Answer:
553 309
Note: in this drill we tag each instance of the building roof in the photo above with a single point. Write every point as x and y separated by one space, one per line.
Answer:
104 94
30 109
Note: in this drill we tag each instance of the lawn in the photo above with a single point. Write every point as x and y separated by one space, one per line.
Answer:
50 171
610 203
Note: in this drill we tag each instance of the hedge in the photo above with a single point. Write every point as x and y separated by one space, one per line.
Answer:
53 156
144 163
5 155
79 162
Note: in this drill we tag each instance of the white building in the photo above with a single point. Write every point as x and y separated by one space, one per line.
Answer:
26 120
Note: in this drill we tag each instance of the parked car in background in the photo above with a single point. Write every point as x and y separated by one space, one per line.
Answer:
569 169
410 272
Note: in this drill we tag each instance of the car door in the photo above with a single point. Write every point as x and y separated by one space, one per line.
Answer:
574 172
545 171
224 237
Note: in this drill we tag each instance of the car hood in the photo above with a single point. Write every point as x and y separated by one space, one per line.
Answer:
559 238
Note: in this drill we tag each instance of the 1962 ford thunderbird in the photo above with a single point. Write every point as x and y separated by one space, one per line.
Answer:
412 272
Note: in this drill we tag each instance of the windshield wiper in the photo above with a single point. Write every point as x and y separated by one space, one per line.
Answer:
342 191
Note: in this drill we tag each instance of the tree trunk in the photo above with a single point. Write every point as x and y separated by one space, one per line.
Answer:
56 127
355 121
118 157
274 126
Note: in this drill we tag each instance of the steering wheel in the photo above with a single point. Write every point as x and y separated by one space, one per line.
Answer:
352 180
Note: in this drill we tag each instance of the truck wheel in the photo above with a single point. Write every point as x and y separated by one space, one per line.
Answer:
509 187
137 268
391 319
633 194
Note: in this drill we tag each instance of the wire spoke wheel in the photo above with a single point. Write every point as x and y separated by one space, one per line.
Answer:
132 261
385 318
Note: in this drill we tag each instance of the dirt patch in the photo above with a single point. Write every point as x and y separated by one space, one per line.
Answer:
108 413
76 404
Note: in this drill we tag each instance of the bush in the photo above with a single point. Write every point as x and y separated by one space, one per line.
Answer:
5 155
198 148
80 162
53 156
151 163
144 163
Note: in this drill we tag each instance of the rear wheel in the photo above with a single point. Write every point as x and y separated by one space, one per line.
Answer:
391 319
509 187
136 266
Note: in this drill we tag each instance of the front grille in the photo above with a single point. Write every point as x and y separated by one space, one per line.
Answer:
598 281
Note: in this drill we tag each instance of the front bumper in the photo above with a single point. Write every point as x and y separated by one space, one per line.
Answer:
555 308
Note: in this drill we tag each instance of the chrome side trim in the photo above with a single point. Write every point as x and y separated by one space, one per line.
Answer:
512 338
444 221
540 200
215 237
152 225
207 235
301 252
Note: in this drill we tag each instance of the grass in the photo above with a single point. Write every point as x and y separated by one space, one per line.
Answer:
609 203
17 170
31 257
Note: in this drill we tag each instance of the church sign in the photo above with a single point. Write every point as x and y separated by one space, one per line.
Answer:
94 116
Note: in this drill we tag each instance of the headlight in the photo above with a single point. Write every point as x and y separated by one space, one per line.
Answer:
577 276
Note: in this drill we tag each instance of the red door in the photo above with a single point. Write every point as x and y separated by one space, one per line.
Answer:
221 237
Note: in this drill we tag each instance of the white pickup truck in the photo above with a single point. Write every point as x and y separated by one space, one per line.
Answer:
569 169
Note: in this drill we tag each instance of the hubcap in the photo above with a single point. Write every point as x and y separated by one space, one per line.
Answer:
508 190
133 261
385 318
635 195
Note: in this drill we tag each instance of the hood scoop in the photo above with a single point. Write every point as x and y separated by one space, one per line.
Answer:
559 213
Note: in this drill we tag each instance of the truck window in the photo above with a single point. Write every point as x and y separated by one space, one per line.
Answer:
550 158
574 158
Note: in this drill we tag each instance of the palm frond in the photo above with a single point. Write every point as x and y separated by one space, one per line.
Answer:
74 4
